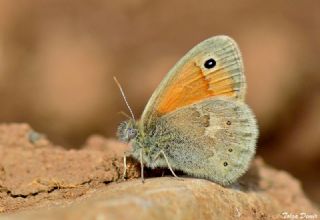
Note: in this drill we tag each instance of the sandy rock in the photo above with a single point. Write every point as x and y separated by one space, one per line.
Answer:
42 181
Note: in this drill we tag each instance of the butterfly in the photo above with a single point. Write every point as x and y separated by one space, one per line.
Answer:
197 120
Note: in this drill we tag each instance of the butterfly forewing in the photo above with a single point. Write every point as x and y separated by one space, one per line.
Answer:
193 79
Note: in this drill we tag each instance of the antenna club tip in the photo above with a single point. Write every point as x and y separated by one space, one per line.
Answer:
116 80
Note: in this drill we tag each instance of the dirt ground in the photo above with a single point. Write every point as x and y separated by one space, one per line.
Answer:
39 180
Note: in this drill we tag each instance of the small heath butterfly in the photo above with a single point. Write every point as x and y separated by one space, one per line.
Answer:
196 121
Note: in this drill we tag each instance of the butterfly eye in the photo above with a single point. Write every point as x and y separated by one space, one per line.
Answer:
132 133
210 63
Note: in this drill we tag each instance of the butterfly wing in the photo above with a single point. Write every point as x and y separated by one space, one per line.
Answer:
212 68
213 139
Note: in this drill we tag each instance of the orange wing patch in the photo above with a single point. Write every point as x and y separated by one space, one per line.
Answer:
192 85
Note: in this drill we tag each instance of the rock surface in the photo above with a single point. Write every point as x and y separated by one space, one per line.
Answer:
41 181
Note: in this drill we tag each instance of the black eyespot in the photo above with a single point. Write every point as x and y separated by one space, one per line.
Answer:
210 63
228 122
225 164
230 150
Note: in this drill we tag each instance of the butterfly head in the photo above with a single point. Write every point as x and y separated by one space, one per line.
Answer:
127 130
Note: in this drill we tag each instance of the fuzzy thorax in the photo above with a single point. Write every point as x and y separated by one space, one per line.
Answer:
144 148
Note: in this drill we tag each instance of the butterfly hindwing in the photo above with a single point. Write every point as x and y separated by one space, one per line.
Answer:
213 139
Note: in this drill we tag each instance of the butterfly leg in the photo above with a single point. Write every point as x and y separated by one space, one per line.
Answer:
125 155
141 164
169 166
124 166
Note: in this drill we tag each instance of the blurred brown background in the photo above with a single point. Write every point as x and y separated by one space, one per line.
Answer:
57 59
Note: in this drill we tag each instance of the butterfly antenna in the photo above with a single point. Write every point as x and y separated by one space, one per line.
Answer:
124 114
124 97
